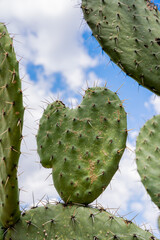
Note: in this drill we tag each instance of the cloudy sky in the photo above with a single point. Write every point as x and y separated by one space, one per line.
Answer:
58 57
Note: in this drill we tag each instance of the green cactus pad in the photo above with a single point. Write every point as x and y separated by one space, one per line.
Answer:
74 222
11 119
148 157
83 145
129 32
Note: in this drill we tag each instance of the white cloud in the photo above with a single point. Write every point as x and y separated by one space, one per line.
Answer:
74 77
50 35
33 177
137 206
133 134
154 102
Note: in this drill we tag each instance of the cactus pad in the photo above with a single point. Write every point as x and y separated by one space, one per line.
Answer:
83 145
74 222
11 119
129 32
148 157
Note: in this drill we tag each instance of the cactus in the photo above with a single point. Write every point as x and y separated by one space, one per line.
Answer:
147 157
83 146
11 118
74 222
128 32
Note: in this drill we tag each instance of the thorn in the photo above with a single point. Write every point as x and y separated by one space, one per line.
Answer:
33 199
105 84
119 88
20 174
50 221
127 130
4 132
12 149
21 189
6 181
13 76
120 150
88 121
40 201
105 153
130 149
83 89
87 84
6 55
48 176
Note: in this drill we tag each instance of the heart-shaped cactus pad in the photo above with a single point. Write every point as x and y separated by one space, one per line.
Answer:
83 146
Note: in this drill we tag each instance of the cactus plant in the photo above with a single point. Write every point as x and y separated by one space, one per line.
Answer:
74 222
93 135
83 146
11 118
147 157
128 32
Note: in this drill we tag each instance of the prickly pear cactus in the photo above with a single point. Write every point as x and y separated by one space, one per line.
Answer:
11 119
83 146
129 32
148 157
74 222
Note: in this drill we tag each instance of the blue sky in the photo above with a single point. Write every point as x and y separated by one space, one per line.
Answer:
59 55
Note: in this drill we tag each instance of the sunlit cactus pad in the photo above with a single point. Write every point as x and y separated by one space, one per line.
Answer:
74 223
148 157
83 145
129 32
